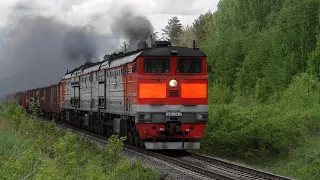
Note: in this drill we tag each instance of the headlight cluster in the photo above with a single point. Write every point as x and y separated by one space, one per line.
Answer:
144 116
202 116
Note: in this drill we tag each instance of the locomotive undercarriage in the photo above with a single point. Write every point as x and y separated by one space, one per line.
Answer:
104 124
167 139
109 124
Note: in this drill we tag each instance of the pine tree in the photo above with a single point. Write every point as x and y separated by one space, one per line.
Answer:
173 30
200 27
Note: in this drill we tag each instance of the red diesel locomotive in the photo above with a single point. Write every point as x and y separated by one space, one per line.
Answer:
157 97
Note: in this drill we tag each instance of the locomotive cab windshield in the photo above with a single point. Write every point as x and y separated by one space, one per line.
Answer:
173 65
189 65
156 65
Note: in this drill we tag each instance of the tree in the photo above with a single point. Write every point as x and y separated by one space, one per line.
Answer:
173 30
188 36
200 27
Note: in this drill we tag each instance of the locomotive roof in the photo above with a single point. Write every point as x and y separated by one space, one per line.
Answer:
131 56
167 51
121 61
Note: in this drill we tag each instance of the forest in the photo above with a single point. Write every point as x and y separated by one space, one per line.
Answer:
264 97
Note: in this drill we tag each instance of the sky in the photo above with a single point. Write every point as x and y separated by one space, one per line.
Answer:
34 34
99 12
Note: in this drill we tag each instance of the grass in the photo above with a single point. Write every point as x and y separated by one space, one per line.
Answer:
30 149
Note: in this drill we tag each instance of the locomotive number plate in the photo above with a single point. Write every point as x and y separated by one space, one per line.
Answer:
173 114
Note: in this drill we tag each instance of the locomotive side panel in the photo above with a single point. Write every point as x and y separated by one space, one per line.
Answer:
107 90
76 95
68 94
116 91
102 89
131 89
94 92
85 92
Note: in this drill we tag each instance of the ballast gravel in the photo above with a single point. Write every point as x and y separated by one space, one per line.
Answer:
168 171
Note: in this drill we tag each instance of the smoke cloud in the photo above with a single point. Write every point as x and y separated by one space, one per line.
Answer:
133 28
36 50
80 42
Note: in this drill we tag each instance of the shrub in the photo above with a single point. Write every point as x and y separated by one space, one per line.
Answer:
257 129
220 94
250 130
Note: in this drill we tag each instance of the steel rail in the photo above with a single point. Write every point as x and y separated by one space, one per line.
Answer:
249 172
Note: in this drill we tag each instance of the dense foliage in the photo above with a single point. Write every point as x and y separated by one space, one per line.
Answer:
264 87
30 149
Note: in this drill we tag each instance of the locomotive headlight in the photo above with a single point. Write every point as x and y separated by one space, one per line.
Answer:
202 116
144 116
147 116
173 83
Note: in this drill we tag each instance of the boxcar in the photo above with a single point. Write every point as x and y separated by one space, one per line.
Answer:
42 100
55 104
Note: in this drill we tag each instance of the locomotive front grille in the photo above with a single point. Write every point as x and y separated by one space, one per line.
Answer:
174 93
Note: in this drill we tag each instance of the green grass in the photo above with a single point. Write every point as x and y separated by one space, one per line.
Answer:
281 136
30 149
304 163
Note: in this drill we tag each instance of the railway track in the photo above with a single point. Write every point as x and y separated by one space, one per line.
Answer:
243 171
204 167
235 171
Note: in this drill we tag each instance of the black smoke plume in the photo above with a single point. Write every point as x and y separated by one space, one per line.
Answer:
133 27
36 51
80 42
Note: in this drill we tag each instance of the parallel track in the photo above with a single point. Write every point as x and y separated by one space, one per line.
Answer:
236 171
213 168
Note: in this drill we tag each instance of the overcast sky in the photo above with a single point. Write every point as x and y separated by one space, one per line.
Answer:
99 12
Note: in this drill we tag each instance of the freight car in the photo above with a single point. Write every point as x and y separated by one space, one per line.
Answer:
157 97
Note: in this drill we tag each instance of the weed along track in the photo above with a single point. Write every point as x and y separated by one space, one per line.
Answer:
196 165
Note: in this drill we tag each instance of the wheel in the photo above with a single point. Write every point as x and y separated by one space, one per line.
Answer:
137 140
109 131
131 138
